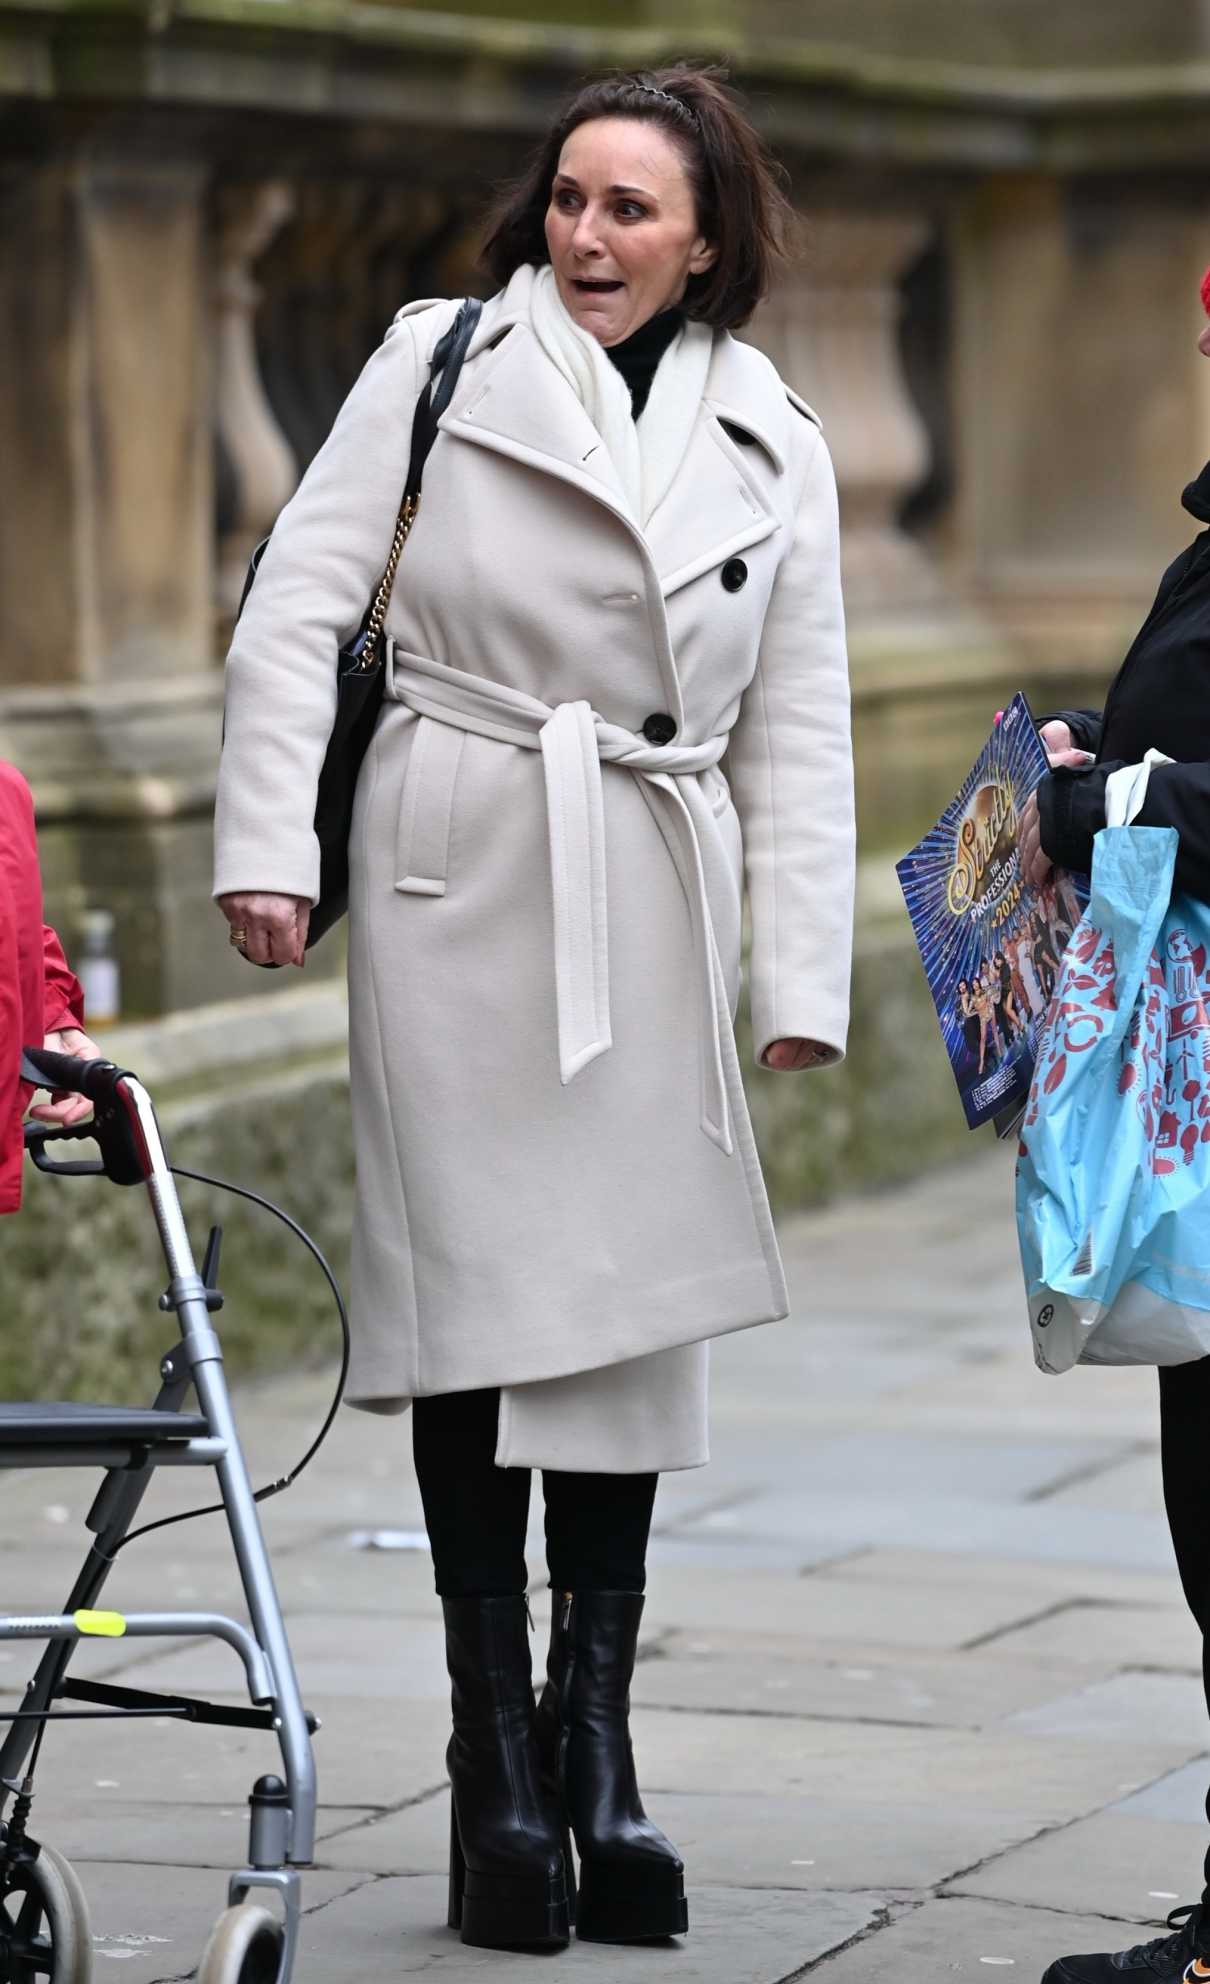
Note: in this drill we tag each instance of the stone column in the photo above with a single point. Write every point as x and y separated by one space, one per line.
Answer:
262 464
1081 406
109 696
832 330
922 662
104 442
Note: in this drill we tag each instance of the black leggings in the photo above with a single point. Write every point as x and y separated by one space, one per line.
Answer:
476 1513
1184 1418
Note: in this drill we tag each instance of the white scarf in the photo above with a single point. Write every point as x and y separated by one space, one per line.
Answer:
646 452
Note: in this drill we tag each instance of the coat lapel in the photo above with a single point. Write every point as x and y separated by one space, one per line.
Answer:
715 508
522 407
719 504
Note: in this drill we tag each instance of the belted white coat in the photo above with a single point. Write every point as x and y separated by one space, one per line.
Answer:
558 1190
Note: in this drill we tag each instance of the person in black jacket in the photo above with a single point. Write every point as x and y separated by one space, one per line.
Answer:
1160 698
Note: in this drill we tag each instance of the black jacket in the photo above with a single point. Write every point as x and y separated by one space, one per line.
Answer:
1160 699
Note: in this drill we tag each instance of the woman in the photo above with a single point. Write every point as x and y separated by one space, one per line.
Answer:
40 996
1045 954
1159 699
624 566
1021 999
1006 1011
985 1010
1025 965
967 1017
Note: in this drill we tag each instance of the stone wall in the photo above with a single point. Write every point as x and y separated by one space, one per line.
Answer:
1031 34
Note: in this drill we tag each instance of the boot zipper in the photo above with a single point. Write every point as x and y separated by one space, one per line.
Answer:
565 1693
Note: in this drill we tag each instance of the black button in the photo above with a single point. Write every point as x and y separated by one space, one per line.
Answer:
659 729
734 574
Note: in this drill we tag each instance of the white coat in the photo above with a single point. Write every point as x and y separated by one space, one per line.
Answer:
558 1190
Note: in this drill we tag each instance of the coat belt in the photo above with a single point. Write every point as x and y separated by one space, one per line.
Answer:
574 741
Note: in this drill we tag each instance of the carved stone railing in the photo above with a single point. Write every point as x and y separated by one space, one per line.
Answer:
260 466
832 328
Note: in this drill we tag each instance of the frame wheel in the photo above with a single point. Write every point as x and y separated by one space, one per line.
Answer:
44 1930
245 1948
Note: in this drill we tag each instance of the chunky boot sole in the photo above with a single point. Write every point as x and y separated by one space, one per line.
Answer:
505 1911
629 1904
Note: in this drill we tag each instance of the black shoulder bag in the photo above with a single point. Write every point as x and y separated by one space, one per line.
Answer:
359 666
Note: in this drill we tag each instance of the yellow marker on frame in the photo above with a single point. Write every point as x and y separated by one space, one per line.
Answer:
100 1625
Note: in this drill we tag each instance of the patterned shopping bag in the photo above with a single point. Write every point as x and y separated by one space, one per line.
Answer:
1113 1176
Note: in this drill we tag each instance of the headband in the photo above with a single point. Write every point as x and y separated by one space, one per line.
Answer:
666 96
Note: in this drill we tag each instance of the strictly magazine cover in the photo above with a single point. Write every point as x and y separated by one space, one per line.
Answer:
989 941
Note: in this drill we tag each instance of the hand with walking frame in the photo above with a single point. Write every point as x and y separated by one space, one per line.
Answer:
65 1106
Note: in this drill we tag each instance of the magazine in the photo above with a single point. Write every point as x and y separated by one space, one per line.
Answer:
989 940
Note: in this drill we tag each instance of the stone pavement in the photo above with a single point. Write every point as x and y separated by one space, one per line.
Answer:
918 1693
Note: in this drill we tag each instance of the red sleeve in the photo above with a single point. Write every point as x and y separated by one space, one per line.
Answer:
22 1000
63 1004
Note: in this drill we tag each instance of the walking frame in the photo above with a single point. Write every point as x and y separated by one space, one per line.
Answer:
43 1915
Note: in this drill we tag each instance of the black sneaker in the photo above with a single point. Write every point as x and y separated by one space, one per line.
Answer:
1180 1956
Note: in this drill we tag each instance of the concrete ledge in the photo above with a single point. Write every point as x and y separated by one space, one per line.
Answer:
346 59
297 1023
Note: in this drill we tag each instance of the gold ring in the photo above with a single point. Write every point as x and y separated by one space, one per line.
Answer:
238 936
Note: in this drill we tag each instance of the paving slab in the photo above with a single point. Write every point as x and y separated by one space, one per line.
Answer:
150 1929
804 1530
972 1941
1171 1707
752 1840
1132 1485
363 1758
1180 1795
398 1659
1110 1864
1049 1777
1080 1631
393 1927
831 1603
788 1675
1039 1584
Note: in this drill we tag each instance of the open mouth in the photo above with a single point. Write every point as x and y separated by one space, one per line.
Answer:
588 286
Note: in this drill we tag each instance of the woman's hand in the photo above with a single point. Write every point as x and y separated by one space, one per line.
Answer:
65 1106
787 1056
268 929
1061 747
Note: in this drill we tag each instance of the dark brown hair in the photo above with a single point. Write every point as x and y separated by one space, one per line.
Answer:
738 187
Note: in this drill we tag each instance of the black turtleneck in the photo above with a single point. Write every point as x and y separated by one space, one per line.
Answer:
638 355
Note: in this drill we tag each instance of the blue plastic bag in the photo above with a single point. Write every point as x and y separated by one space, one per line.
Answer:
1113 1177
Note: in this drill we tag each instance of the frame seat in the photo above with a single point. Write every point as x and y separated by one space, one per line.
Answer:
34 1424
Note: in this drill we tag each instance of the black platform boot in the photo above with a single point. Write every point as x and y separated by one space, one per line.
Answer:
507 1882
632 1880
1184 1953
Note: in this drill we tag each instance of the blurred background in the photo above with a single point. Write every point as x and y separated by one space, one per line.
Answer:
209 211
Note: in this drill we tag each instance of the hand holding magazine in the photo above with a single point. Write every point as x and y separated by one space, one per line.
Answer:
989 939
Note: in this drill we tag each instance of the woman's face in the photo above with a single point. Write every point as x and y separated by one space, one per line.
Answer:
621 227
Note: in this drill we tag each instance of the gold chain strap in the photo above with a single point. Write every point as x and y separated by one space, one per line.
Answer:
382 598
